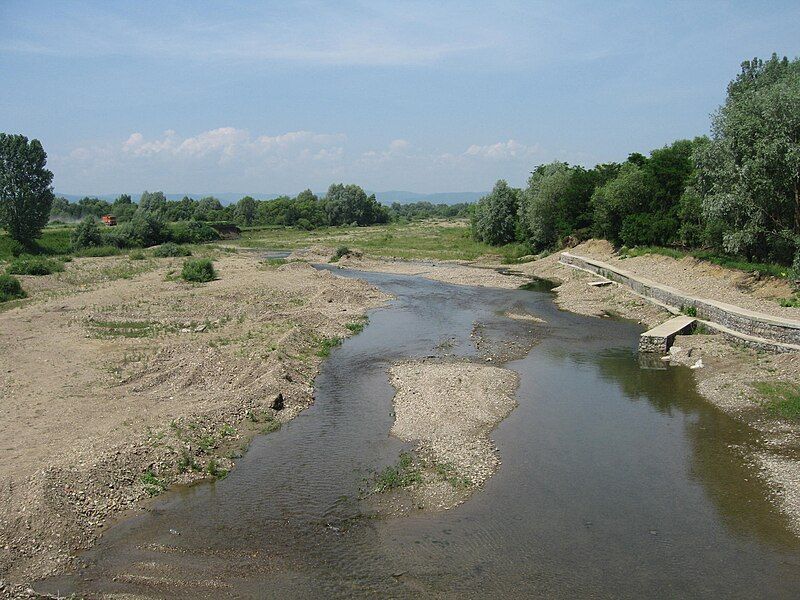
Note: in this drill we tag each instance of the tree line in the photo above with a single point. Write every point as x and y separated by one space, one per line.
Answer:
735 192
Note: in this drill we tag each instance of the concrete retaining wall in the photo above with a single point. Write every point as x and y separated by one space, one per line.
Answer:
734 318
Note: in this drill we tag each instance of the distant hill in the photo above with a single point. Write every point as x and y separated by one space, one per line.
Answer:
437 198
383 197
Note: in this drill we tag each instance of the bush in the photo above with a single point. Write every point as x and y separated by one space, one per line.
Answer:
98 251
198 270
34 265
340 252
171 249
192 232
10 288
86 235
143 230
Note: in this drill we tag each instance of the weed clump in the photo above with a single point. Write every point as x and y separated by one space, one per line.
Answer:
340 252
328 344
10 288
198 270
34 265
780 398
171 249
403 474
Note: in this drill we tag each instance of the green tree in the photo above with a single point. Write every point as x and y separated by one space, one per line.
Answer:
543 204
346 204
625 196
496 215
26 192
750 170
153 203
246 210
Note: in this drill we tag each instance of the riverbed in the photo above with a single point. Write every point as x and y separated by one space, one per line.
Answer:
617 480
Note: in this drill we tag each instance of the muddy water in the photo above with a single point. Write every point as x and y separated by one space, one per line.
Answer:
617 481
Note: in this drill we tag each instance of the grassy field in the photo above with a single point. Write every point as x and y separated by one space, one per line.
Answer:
451 240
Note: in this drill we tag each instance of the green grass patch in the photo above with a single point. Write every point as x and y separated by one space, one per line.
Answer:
358 326
793 302
404 474
449 474
328 344
424 240
128 329
214 470
198 270
171 249
780 398
152 484
10 289
53 242
34 265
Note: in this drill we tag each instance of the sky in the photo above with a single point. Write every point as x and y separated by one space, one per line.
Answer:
276 97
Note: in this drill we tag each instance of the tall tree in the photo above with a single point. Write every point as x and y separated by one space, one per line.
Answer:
496 215
246 210
750 170
26 192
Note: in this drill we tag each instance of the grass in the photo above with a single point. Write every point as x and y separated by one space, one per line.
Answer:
404 474
424 240
152 484
729 262
10 289
689 311
198 270
328 344
214 470
358 326
28 264
780 398
128 329
449 474
793 302
53 242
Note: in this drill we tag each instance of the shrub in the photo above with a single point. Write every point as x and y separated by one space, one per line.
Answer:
86 235
198 270
98 251
192 232
340 252
171 249
34 265
10 288
136 255
143 230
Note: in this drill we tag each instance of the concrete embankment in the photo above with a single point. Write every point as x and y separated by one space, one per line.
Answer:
761 331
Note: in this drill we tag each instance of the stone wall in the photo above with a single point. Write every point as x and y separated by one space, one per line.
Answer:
731 317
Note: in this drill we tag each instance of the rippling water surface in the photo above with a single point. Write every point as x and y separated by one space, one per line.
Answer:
617 481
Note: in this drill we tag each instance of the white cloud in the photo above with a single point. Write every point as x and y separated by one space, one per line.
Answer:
233 159
503 150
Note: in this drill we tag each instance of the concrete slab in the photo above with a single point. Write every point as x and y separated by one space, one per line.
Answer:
661 337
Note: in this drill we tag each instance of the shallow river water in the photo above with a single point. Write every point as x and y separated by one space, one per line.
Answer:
616 481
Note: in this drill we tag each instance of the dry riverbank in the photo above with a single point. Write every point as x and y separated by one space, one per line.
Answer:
118 380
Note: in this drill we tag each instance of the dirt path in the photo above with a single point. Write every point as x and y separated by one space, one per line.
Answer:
113 389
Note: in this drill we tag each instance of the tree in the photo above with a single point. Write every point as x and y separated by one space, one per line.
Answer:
346 204
207 209
749 172
496 215
246 210
618 204
26 192
543 203
152 203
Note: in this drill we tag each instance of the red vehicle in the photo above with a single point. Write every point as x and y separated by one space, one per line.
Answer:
109 220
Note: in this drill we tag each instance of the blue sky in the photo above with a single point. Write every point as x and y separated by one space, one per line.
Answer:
447 96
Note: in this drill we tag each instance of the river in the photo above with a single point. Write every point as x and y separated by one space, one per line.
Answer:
616 481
